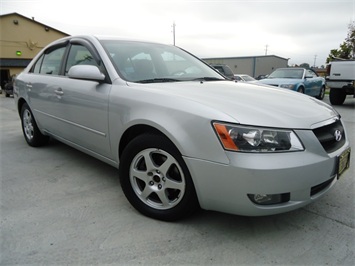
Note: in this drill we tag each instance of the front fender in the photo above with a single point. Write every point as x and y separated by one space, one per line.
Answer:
189 128
299 85
193 135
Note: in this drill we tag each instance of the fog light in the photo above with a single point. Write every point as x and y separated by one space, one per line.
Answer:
269 199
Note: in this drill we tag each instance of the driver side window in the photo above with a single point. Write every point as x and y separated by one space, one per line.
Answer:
79 55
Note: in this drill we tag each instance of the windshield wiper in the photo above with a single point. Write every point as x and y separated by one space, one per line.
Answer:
208 79
157 80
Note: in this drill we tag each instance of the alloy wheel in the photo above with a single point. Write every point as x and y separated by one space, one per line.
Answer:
28 124
157 179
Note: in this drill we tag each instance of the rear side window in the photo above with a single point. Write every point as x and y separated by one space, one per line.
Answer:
50 62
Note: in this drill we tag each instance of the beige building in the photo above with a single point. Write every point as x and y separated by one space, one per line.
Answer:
251 65
21 38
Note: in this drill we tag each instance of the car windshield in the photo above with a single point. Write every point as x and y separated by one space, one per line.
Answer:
248 78
288 73
154 63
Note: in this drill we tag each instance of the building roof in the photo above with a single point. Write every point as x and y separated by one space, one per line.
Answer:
33 20
247 57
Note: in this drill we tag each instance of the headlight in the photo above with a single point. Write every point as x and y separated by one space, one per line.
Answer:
287 86
256 139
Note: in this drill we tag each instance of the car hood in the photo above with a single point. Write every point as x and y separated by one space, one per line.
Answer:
280 81
249 104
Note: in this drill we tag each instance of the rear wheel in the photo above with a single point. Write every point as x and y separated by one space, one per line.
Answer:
30 130
155 179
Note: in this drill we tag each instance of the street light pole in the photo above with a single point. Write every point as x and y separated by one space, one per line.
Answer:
174 25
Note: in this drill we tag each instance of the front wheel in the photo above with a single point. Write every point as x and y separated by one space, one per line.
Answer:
155 179
300 90
321 93
30 129
337 96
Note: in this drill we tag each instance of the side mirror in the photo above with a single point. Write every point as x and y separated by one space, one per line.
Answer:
308 77
86 72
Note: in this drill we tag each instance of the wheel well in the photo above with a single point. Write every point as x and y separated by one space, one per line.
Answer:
20 103
301 88
133 132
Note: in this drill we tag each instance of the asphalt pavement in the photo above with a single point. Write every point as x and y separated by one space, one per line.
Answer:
59 206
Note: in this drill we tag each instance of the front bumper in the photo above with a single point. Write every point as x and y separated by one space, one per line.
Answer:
304 176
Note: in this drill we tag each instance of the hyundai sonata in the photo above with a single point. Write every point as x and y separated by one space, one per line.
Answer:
180 134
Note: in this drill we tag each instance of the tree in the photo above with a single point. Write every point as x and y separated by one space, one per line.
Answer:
347 48
305 65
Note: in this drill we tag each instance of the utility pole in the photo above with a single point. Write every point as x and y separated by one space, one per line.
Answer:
266 46
315 59
174 25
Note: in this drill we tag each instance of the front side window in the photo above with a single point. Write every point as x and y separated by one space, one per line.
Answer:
79 55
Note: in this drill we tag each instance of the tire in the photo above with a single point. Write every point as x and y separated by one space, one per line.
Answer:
300 90
321 93
155 179
30 130
337 96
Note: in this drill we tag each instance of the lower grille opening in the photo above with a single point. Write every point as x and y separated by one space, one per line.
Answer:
318 188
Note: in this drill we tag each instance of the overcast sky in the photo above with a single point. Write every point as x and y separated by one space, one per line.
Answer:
303 30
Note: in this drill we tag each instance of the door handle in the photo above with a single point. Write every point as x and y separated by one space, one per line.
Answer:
29 86
59 92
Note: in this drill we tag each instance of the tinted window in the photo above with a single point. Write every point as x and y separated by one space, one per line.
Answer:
79 55
51 62
37 67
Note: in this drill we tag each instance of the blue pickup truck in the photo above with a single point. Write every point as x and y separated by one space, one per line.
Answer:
297 79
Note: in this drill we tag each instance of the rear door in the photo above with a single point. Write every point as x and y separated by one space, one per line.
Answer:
41 84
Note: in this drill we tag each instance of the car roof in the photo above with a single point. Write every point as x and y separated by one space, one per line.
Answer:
104 37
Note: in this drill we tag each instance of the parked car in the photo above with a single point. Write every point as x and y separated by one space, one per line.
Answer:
225 70
261 77
8 88
244 78
180 134
297 79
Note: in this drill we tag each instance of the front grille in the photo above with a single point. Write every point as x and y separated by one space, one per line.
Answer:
318 188
332 136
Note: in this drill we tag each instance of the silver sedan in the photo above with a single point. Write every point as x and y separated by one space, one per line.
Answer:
181 135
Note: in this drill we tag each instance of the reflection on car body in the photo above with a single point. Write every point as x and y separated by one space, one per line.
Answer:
181 135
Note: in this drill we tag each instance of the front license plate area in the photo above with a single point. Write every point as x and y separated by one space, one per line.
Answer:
343 162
